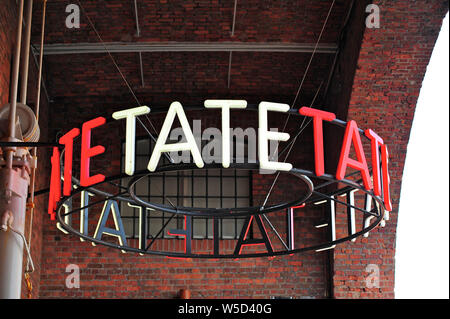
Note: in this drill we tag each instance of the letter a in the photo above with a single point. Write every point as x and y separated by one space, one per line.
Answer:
175 109
352 137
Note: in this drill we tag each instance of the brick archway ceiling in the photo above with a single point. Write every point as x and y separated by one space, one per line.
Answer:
281 33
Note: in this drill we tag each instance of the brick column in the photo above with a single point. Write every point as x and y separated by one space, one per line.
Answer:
391 66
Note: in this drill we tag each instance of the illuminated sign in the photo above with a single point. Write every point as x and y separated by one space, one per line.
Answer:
372 187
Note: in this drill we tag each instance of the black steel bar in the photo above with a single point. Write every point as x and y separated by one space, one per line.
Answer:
275 231
143 227
336 181
214 256
94 203
344 203
289 228
30 144
159 233
216 235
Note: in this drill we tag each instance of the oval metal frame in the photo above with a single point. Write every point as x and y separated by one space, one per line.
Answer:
351 185
304 175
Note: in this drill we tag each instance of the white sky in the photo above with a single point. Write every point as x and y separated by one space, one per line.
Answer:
422 256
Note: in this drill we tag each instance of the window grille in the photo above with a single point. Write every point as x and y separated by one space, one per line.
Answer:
212 188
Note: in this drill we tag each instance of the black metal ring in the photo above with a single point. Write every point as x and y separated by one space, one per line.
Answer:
217 212
71 230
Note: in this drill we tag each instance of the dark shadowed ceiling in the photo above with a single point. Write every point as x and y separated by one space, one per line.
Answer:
189 50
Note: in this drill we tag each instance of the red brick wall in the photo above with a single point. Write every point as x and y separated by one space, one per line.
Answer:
210 20
391 67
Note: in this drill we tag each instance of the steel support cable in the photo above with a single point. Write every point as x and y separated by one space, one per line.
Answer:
278 173
301 84
329 77
302 124
302 127
30 265
307 69
311 58
234 18
122 75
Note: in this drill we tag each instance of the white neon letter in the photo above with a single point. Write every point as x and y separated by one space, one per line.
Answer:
265 135
226 105
130 115
118 230
175 109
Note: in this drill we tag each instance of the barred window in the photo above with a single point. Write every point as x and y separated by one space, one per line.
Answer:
206 188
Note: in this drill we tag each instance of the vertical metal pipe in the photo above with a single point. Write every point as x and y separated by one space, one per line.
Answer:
142 69
14 85
26 53
14 184
136 15
41 57
290 227
234 18
14 190
229 69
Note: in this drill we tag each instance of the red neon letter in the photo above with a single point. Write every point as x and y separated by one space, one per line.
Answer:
386 181
55 184
87 152
318 117
376 141
186 233
352 135
67 140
